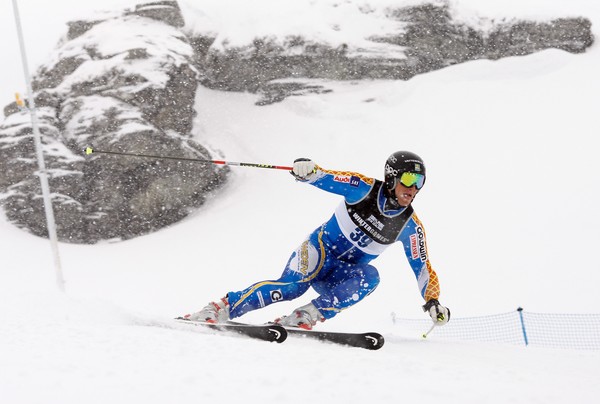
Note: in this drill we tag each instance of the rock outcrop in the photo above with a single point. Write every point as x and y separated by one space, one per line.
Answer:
124 84
431 39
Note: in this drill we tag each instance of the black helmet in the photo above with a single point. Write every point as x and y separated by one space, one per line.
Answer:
401 162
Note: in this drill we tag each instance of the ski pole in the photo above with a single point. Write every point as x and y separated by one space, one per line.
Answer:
440 318
90 150
431 329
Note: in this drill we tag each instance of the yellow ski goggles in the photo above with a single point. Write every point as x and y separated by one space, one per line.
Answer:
409 179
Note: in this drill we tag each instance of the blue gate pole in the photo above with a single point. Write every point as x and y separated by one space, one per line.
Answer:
520 310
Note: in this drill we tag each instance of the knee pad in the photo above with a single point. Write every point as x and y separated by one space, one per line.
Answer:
304 262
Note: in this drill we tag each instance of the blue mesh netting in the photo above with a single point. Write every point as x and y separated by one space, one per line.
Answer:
575 331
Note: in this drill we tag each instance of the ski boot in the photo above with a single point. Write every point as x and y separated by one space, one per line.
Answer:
305 317
213 313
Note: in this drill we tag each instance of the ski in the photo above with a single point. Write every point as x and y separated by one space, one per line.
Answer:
368 340
277 333
266 332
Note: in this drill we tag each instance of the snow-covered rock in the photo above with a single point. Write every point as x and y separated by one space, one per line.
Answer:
420 38
128 84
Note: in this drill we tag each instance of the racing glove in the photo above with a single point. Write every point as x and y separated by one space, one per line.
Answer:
439 314
303 169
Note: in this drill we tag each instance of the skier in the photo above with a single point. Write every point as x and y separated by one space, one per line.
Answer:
335 258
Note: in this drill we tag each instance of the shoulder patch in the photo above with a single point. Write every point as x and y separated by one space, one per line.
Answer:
349 177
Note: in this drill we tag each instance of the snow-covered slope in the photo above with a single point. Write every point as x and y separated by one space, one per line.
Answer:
510 209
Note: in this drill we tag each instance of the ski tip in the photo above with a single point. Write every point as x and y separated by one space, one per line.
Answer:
376 341
279 333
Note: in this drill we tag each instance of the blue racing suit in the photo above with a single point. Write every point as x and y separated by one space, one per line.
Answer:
335 258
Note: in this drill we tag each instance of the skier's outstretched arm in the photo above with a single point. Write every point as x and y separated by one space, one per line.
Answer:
415 247
351 185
